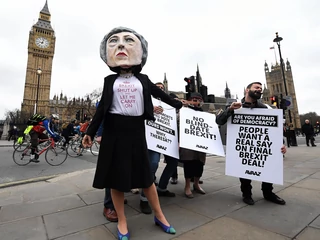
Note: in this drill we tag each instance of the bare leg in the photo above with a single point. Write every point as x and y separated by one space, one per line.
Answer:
118 199
152 195
196 183
187 188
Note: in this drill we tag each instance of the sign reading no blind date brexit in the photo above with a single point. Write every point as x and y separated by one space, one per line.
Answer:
254 141
199 131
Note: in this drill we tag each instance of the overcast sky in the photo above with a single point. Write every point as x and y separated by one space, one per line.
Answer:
229 40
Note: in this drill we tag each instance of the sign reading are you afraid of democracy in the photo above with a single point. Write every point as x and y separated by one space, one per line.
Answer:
162 134
254 141
199 131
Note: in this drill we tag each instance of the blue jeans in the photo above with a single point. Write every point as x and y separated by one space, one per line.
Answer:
107 199
154 158
171 167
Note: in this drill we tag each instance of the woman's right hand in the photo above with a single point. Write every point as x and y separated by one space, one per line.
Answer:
86 141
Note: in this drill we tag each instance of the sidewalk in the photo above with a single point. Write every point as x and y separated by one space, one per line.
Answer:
6 143
68 208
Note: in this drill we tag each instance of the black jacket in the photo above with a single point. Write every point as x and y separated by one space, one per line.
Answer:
307 129
149 89
222 118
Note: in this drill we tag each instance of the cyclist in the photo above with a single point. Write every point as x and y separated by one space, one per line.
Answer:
37 133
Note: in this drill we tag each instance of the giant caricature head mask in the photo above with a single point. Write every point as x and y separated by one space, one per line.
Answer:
123 48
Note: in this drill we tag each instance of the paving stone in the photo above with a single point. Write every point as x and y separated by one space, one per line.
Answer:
287 220
213 205
316 175
72 221
47 190
229 229
7 198
33 209
97 233
256 190
302 196
26 229
309 234
310 183
294 177
316 223
92 197
142 226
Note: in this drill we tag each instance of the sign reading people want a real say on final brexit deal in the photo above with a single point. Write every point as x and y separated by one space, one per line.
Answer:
254 141
162 134
199 131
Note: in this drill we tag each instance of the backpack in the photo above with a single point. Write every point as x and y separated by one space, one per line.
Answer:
84 127
35 119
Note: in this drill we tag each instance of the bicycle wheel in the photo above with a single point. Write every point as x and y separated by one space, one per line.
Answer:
55 157
22 158
94 149
21 147
74 149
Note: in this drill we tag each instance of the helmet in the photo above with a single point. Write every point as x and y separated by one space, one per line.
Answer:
55 116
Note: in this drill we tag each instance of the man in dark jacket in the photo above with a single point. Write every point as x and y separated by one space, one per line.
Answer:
253 93
308 130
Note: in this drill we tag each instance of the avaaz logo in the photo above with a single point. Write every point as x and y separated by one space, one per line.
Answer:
161 147
202 147
253 173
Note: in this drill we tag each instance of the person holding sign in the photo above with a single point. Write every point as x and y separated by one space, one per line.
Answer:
193 161
253 94
125 104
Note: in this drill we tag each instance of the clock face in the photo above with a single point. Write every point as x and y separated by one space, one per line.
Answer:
42 42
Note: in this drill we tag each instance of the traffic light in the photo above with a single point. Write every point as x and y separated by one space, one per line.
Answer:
84 116
283 104
78 115
191 85
274 101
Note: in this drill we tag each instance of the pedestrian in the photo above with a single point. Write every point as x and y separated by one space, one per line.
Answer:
308 130
193 161
252 95
125 104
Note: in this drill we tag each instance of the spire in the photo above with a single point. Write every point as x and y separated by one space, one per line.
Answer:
288 65
266 68
45 9
197 67
44 19
227 92
165 83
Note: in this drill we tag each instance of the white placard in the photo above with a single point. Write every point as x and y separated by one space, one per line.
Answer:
162 134
199 131
254 141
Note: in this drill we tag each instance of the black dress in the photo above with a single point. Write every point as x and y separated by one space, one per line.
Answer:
123 162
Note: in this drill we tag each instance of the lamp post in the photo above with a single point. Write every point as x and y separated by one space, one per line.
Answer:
278 40
39 72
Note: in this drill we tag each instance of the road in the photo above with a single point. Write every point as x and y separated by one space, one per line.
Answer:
10 172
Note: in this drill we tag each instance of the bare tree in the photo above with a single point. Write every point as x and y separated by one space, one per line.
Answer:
312 116
13 116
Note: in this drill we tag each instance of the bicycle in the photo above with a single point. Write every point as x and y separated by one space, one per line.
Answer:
52 152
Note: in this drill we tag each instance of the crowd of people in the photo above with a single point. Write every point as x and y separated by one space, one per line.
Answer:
124 162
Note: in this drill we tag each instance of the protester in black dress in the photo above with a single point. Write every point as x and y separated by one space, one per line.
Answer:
125 104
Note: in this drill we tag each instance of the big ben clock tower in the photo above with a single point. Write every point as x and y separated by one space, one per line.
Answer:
40 55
